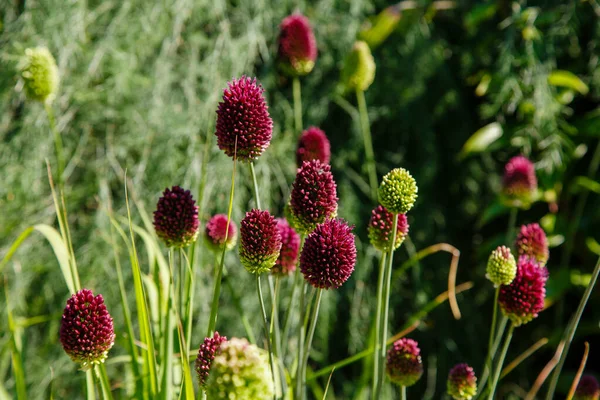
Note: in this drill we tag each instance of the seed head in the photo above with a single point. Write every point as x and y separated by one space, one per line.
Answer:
501 266
206 354
462 382
404 366
260 243
40 74
398 191
176 218
359 68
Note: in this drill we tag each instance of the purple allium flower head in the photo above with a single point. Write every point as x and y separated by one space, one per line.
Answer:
297 45
380 229
290 246
404 366
243 114
523 299
519 178
206 355
176 217
216 229
313 145
587 389
532 242
329 255
314 196
501 266
86 330
260 241
462 382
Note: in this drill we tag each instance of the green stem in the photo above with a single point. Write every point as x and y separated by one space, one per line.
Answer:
166 385
368 142
571 328
275 330
402 392
490 355
182 278
311 334
89 384
104 382
512 221
189 295
301 335
487 370
297 105
266 323
292 301
501 361
255 186
376 364
58 145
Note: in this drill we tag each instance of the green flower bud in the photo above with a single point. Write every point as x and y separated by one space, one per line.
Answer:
501 267
359 68
398 191
40 74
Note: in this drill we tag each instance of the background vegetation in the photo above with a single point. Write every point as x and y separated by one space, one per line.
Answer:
140 84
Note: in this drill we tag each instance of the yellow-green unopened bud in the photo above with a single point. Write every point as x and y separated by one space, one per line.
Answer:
40 74
501 266
398 191
359 68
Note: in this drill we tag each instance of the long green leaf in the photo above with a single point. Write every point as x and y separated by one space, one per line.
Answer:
60 250
569 80
16 344
13 248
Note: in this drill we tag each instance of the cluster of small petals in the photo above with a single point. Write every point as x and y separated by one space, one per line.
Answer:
86 330
40 74
519 179
176 217
239 371
313 197
501 266
381 226
244 127
523 299
297 45
329 255
532 242
404 366
290 246
462 382
260 242
206 354
313 145
398 191
218 233
587 389
358 72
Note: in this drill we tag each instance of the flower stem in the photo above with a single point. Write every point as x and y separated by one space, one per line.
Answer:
189 295
376 363
487 370
104 382
490 355
311 334
512 221
291 303
501 361
89 384
402 392
58 145
301 335
297 104
368 142
255 186
266 323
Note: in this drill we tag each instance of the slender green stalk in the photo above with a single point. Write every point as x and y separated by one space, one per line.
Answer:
166 383
89 384
368 142
189 296
255 186
181 285
501 361
512 221
402 392
487 370
570 331
266 324
58 145
297 104
292 301
311 333
301 340
275 330
490 355
104 382
376 363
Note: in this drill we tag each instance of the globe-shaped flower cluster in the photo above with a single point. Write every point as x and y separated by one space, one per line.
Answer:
40 74
532 242
501 266
297 46
290 246
217 233
462 382
313 145
380 229
176 218
260 242
404 366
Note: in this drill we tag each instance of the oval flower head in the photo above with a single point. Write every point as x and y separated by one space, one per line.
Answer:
523 299
239 371
462 382
313 198
329 255
532 242
519 181
404 366
501 266
313 145
290 246
358 72
86 329
176 218
243 116
218 233
398 191
587 389
260 243
206 354
380 229
40 74
297 46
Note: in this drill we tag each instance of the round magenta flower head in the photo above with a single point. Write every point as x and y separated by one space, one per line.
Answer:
523 299
519 180
404 366
380 229
313 198
501 266
587 389
532 242
206 355
398 191
290 246
313 145
243 115
329 255
297 45
86 330
176 218
218 234
260 241
462 382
